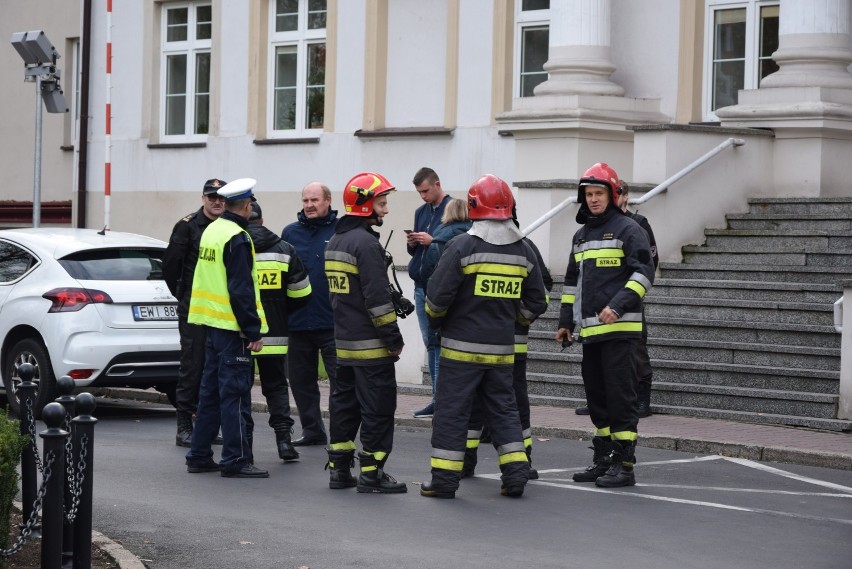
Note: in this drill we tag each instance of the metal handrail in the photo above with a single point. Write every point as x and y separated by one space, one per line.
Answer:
660 188
838 315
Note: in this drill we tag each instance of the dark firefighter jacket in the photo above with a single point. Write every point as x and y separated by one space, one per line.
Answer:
284 285
477 293
365 325
610 265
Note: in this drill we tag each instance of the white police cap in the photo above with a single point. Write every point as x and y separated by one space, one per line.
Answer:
238 189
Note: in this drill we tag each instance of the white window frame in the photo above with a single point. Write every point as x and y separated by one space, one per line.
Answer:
525 19
752 48
301 38
191 47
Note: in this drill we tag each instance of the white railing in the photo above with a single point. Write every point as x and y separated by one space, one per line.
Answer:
660 188
838 315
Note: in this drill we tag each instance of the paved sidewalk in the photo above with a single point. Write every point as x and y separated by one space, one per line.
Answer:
704 436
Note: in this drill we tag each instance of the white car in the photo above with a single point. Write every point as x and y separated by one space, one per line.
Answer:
87 304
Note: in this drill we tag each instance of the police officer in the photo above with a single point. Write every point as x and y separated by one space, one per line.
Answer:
486 280
178 267
284 288
367 338
608 274
226 301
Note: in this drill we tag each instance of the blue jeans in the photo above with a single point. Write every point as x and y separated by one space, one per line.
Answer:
225 395
430 337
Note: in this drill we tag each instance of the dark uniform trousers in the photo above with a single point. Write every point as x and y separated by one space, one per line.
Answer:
273 385
491 385
191 365
225 396
302 361
364 397
610 379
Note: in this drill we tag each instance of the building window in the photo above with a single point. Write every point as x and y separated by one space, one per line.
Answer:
532 31
297 66
187 33
741 38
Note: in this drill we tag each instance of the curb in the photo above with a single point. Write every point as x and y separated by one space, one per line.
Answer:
822 459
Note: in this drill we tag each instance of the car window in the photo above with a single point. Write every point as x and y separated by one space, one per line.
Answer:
115 264
14 261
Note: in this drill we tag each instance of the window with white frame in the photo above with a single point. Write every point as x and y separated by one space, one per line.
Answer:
185 71
741 37
532 33
297 67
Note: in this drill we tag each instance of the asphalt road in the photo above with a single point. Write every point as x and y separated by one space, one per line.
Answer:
686 511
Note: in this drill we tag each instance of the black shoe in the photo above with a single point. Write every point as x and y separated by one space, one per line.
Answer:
426 412
533 474
512 491
341 479
467 471
309 441
378 482
427 490
247 471
617 476
183 438
592 473
217 440
286 451
209 466
584 410
643 409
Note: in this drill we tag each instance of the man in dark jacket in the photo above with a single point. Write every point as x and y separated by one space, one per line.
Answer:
427 218
367 338
608 274
178 267
312 329
284 288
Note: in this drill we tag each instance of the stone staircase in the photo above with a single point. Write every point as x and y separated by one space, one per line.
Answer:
742 329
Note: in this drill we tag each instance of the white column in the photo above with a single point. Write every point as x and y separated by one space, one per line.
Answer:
813 45
579 52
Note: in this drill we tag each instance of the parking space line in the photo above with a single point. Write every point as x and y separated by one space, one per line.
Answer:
749 490
791 475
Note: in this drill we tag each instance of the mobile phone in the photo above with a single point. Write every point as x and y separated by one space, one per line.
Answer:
407 231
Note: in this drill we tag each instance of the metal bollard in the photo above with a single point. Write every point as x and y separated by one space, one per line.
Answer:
84 445
54 436
64 386
29 457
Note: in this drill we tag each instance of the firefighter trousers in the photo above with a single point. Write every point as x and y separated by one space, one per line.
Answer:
610 379
492 385
364 397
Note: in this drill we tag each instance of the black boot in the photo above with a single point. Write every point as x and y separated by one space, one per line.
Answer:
600 461
373 478
184 430
470 460
620 473
338 465
286 450
533 475
643 408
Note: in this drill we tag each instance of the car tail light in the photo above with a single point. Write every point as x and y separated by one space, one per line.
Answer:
73 299
80 373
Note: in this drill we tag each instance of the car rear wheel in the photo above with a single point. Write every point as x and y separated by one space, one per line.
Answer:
30 351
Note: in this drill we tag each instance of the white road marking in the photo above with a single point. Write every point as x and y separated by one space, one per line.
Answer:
784 473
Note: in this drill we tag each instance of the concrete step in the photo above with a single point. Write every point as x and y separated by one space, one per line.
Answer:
789 313
791 240
801 206
744 290
748 354
784 222
758 258
789 274
744 332
839 425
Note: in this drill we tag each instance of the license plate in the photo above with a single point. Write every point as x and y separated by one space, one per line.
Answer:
155 312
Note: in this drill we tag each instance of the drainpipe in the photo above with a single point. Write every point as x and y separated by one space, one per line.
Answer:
83 142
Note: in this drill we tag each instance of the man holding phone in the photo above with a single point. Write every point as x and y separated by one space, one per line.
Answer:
426 219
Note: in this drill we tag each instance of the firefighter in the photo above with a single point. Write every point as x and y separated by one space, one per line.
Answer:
367 338
608 274
487 280
284 288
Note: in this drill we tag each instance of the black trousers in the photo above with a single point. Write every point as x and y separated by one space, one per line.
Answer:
492 385
192 346
304 348
364 398
609 376
522 398
273 385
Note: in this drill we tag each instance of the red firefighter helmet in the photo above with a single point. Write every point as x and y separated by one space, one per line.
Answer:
600 175
362 190
490 198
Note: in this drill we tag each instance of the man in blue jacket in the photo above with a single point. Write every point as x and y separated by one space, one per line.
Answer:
312 329
426 219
